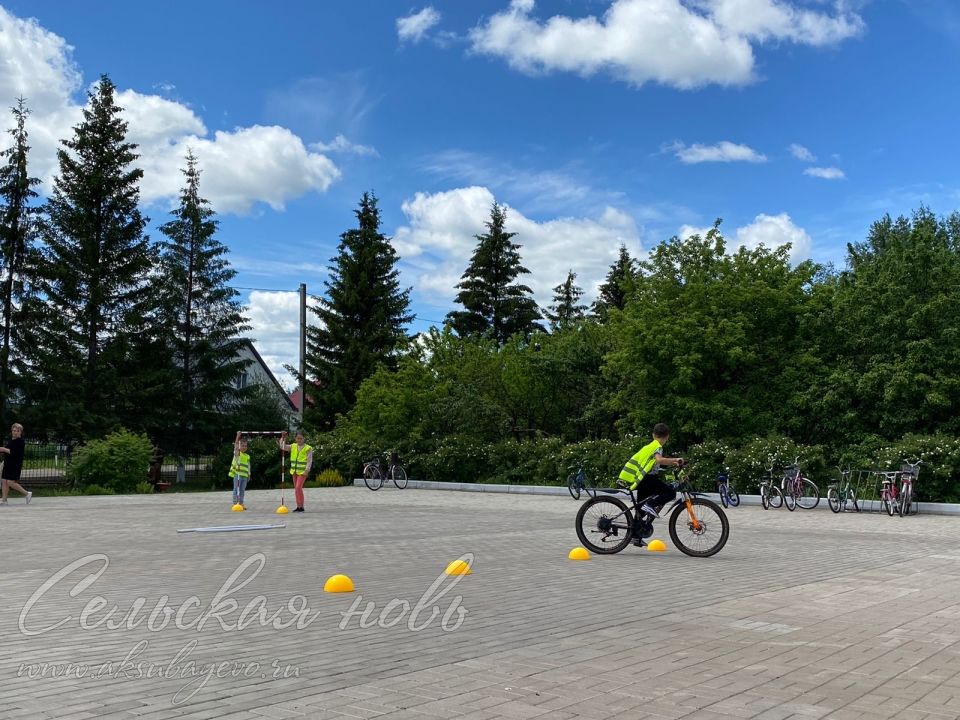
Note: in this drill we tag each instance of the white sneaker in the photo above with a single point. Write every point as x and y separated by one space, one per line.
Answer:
3 502
29 497
649 510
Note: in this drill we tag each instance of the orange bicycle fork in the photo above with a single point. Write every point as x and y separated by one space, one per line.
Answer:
693 518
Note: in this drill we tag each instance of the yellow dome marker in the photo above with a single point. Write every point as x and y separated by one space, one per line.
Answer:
237 508
338 584
283 510
459 567
579 553
656 546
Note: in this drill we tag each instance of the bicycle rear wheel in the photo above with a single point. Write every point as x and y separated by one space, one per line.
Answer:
399 476
775 497
765 497
733 496
604 525
704 536
723 495
372 477
573 487
890 504
809 496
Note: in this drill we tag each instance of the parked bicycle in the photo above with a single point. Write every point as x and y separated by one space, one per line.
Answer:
577 482
770 494
698 526
374 474
842 493
889 491
908 473
728 495
804 492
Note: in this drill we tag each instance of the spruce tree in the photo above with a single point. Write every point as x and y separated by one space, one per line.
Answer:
566 309
619 282
18 220
495 306
362 318
201 315
94 276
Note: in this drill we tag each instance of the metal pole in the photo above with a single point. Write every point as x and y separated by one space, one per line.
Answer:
303 349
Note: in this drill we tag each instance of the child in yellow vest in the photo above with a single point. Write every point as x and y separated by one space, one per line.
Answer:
240 469
301 459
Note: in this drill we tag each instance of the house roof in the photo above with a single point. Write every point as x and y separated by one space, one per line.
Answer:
249 343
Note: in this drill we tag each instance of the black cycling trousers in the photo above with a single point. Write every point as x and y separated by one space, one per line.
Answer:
653 485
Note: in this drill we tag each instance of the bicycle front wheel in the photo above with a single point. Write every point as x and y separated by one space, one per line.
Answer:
399 476
833 498
698 527
906 497
723 496
573 487
372 477
789 499
604 525
890 504
776 498
853 499
809 496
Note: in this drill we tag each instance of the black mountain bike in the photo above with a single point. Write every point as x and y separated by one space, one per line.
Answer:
577 482
698 526
374 475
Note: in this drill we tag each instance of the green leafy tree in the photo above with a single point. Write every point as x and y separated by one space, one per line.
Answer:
895 359
94 277
494 304
202 316
712 343
362 318
616 288
567 310
18 218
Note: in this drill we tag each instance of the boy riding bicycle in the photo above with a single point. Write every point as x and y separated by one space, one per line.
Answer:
640 473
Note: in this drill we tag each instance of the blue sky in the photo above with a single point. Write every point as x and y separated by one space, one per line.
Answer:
595 122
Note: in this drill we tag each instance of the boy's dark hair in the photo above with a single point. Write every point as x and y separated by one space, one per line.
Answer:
660 430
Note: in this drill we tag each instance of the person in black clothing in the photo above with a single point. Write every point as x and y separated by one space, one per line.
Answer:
13 464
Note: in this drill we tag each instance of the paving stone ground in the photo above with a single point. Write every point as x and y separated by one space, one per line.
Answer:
803 615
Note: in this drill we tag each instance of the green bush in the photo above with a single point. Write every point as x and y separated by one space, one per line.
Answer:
327 478
116 463
144 488
96 490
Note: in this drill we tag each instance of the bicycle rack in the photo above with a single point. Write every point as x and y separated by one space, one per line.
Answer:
869 484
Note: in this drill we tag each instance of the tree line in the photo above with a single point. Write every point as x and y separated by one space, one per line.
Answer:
103 327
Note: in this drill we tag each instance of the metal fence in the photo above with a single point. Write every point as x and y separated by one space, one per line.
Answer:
45 465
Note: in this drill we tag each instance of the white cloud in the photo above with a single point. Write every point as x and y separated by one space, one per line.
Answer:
684 45
778 20
414 27
341 144
826 173
439 237
721 152
771 231
275 330
802 153
241 167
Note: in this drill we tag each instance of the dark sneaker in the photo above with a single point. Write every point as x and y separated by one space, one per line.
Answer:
299 509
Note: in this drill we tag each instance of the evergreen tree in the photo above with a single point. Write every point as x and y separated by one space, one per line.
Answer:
495 306
201 314
17 229
361 320
615 290
94 276
566 309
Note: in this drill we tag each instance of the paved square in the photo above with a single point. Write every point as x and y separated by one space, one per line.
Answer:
802 615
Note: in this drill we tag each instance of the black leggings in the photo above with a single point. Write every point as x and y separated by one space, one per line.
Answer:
653 485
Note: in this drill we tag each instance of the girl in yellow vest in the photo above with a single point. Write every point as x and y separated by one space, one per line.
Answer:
240 470
301 459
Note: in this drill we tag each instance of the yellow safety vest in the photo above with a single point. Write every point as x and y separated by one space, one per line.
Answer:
240 466
640 464
298 459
